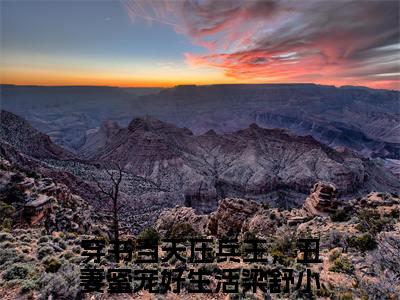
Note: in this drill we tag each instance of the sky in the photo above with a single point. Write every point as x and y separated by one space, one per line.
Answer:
167 43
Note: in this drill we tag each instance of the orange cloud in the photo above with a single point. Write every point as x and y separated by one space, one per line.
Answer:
336 42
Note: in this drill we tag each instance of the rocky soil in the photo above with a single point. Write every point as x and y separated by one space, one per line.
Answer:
359 247
359 240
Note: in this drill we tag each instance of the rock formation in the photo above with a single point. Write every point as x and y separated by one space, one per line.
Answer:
267 165
322 200
180 215
228 219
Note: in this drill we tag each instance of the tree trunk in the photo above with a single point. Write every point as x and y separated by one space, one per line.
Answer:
115 217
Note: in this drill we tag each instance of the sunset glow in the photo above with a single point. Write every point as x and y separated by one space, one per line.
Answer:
157 43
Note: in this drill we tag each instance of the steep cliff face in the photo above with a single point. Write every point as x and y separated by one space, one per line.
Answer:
253 163
98 138
20 134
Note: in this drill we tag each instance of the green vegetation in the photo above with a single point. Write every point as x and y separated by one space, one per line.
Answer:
340 215
323 292
334 255
148 234
61 285
244 247
395 213
44 251
281 258
67 255
5 237
28 285
342 265
51 264
14 195
16 178
283 247
345 296
43 239
31 173
6 213
76 249
335 239
17 271
363 243
372 222
10 256
6 245
181 231
4 166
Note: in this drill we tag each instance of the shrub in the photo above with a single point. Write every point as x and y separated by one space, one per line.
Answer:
265 205
210 268
340 215
345 296
5 236
28 285
281 258
6 213
371 221
76 249
68 255
31 173
45 251
55 239
363 243
16 178
26 249
14 195
241 296
6 245
181 230
6 224
25 238
10 256
62 245
395 213
51 264
284 242
65 284
334 255
43 239
342 265
245 247
323 292
4 166
71 236
17 271
148 234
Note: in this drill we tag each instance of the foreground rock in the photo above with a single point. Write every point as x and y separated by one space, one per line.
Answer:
359 239
36 201
181 215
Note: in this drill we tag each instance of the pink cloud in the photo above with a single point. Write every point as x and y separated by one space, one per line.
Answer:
336 42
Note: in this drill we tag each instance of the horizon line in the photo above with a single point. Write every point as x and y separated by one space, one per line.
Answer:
188 85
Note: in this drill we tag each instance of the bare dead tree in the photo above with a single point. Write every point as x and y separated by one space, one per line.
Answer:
199 190
111 192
